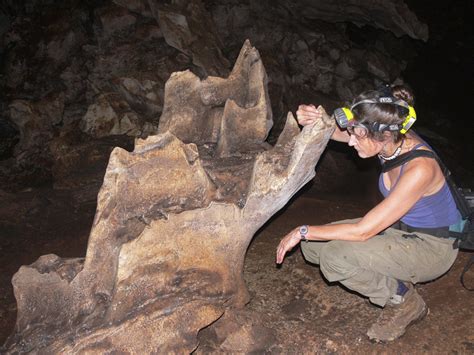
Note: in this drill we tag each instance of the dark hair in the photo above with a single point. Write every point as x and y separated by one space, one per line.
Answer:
385 113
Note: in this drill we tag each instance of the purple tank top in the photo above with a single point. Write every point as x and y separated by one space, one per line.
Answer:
434 211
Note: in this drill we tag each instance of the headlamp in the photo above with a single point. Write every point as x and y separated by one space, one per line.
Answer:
409 120
345 117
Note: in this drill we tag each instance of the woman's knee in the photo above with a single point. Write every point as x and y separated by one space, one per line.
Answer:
337 260
311 251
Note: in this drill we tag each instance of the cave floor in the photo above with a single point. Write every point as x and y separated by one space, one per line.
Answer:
292 308
309 315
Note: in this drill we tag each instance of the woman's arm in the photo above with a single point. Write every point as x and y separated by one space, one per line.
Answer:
418 177
340 135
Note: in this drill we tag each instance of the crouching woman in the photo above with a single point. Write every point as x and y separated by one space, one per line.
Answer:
401 241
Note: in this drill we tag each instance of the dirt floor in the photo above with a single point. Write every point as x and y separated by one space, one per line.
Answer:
292 308
310 315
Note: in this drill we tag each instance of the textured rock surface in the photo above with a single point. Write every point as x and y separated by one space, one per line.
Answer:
221 107
103 66
173 223
188 27
80 51
112 115
392 15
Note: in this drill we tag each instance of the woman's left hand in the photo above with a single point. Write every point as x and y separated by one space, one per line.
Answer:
288 242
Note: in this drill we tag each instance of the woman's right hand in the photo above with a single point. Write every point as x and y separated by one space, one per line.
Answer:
309 114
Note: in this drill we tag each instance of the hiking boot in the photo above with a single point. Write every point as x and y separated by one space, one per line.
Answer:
397 315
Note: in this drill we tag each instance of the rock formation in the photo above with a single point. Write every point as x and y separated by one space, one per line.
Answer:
174 219
183 24
99 68
394 16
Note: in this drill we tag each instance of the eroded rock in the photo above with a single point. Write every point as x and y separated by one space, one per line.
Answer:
115 19
117 55
221 107
188 27
172 226
394 16
34 121
112 115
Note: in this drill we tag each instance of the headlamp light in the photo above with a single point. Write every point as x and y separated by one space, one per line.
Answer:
343 115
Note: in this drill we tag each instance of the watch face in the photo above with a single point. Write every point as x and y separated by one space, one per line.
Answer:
304 230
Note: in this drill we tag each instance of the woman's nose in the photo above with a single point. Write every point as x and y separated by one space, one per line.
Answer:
352 140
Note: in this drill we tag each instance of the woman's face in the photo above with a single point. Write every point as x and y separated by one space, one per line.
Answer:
365 146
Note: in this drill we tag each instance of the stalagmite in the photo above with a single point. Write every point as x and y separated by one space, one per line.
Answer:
173 222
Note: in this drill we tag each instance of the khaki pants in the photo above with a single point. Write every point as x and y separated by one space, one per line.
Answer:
373 267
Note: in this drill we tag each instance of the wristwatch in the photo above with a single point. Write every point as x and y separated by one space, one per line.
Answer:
304 232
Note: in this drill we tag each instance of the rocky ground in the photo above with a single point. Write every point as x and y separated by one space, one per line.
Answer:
292 308
295 310
308 315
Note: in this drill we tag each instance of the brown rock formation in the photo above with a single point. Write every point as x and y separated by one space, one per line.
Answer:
172 225
187 26
221 107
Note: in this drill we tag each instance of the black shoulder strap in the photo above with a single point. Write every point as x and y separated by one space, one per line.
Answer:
406 157
459 199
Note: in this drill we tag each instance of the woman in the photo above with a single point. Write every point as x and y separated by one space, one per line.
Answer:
368 255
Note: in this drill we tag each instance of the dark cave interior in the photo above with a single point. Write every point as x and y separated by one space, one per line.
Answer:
60 58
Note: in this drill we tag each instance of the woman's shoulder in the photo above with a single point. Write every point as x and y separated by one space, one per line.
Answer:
425 169
420 164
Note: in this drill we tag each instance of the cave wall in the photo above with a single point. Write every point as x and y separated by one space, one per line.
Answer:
76 74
